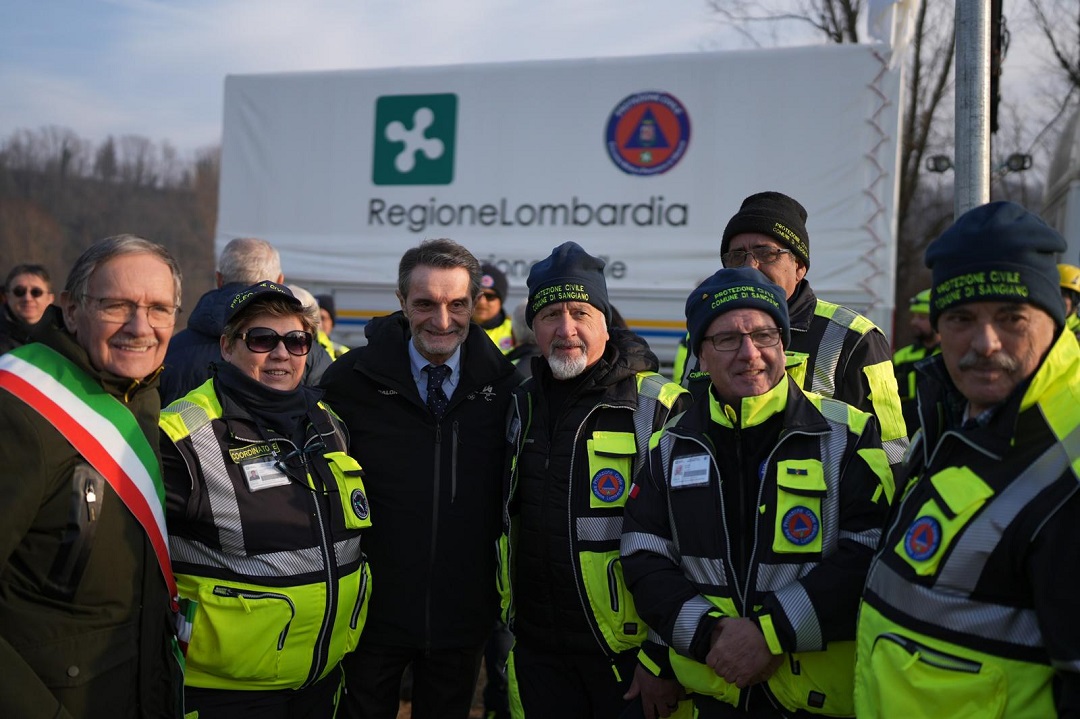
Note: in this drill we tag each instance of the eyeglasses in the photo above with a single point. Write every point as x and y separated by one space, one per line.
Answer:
763 256
21 291
731 341
120 312
264 339
489 296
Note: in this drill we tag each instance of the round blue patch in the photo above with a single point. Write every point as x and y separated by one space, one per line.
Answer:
647 133
359 504
922 539
608 485
800 526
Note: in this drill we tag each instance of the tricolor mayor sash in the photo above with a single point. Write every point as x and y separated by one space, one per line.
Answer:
103 431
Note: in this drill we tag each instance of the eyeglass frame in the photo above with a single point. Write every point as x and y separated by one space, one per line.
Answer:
764 331
489 295
21 291
132 308
774 252
278 339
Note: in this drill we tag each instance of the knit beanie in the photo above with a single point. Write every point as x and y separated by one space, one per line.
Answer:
732 289
920 303
569 274
997 252
492 278
326 302
774 214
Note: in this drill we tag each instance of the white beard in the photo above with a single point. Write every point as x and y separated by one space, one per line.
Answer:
567 367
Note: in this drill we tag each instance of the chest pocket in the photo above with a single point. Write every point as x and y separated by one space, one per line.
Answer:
349 478
611 460
960 494
800 488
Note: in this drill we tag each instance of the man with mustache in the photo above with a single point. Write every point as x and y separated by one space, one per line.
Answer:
580 427
969 608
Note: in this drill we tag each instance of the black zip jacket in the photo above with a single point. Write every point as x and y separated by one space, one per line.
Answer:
433 486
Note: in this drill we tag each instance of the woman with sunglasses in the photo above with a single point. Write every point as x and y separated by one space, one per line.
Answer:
265 511
27 295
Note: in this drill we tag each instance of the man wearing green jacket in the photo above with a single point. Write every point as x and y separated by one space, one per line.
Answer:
86 591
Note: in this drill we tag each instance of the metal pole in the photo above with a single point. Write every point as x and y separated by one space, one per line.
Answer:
972 155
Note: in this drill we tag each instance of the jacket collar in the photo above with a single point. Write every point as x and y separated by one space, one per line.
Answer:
801 307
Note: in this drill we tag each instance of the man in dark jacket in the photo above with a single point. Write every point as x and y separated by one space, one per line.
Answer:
243 262
580 427
85 581
746 541
425 403
848 357
26 295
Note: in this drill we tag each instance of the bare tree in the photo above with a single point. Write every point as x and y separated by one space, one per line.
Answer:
928 85
1059 22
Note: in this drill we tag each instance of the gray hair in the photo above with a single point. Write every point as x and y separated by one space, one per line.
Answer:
443 254
523 334
311 305
78 280
248 260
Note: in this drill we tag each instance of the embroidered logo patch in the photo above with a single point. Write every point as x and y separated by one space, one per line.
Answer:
800 525
923 538
608 485
359 504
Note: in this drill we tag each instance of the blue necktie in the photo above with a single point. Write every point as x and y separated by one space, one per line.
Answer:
436 398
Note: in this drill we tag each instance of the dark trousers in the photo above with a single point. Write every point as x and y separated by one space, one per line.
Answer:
319 701
568 686
443 681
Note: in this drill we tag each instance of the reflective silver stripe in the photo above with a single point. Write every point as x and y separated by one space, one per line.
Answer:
286 563
771 577
655 638
219 490
895 449
968 559
633 542
705 571
799 611
827 357
832 445
599 529
643 429
955 612
867 537
687 623
1073 666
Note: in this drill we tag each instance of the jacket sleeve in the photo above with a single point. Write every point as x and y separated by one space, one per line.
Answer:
668 602
1056 547
868 383
24 483
821 607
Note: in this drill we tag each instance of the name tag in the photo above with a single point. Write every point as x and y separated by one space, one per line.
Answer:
263 475
690 471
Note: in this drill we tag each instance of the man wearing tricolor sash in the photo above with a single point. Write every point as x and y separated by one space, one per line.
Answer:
86 590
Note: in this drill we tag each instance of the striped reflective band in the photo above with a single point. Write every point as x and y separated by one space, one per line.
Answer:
599 529
286 563
101 429
955 612
644 542
686 623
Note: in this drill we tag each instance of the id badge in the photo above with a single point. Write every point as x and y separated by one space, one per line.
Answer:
690 471
263 475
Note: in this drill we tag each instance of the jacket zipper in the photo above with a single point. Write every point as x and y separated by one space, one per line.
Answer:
613 585
250 594
360 596
434 535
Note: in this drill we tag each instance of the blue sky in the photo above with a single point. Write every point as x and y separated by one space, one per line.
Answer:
156 68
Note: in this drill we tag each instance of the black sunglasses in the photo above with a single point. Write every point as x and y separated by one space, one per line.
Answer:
264 339
21 291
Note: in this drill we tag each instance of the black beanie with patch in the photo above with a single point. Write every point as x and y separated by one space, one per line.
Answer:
998 252
569 274
774 214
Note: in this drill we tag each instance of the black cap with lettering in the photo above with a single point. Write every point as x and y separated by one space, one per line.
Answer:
569 274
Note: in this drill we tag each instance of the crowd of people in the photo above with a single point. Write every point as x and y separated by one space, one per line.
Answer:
249 519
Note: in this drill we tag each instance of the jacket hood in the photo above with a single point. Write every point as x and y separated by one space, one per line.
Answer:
801 306
208 317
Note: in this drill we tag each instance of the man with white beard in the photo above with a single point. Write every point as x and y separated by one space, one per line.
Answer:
580 428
